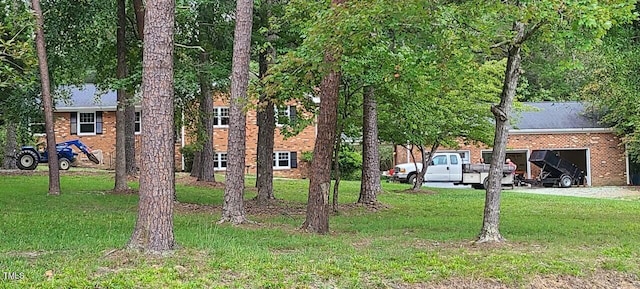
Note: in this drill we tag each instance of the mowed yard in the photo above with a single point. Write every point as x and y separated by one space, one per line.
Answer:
421 240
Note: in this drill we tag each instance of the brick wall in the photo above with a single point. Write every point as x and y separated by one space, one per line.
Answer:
105 142
607 155
300 143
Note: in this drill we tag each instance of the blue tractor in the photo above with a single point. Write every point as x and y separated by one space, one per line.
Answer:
29 157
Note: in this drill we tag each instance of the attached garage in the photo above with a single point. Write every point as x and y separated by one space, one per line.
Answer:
568 129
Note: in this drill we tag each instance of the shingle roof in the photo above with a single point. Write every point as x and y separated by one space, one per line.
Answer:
555 115
86 96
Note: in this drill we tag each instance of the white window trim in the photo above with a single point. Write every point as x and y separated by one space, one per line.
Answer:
217 166
287 113
218 111
277 161
79 123
37 134
140 121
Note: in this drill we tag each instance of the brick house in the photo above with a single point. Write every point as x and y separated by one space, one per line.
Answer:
89 115
566 128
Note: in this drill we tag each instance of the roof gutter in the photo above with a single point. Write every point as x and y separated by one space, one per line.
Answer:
89 108
561 130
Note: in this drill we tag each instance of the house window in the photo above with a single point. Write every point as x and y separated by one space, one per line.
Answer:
285 160
37 128
281 160
86 123
285 115
220 116
138 122
220 161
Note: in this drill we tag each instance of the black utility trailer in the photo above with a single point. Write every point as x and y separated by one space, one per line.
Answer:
555 170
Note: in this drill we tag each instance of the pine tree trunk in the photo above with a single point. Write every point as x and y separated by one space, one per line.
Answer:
207 164
490 231
266 129
153 232
195 164
317 219
370 186
10 146
233 207
54 171
121 73
130 111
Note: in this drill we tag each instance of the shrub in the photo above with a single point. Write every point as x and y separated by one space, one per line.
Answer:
188 152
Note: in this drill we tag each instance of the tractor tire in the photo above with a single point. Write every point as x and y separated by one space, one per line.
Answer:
27 160
64 164
565 181
93 158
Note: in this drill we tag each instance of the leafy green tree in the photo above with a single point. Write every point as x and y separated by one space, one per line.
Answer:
17 75
203 68
567 21
317 219
613 82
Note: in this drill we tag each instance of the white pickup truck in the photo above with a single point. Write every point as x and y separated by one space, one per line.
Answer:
448 167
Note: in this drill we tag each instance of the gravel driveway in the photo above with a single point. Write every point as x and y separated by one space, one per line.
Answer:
629 192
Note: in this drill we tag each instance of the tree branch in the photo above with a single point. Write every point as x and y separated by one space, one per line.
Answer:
135 31
532 30
500 44
189 47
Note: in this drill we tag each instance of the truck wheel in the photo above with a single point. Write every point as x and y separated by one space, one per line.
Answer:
565 181
27 160
485 183
411 179
64 164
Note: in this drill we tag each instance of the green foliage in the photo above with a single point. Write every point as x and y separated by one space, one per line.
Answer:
18 63
81 40
350 161
188 152
612 86
414 54
419 240
17 55
3 140
386 157
306 156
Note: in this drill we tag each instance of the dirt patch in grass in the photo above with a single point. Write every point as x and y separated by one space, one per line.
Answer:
272 208
30 254
421 191
188 180
123 192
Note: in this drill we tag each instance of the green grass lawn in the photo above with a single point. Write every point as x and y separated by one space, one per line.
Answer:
73 241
